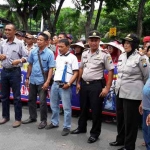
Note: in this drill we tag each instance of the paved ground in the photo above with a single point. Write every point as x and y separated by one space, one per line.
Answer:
28 137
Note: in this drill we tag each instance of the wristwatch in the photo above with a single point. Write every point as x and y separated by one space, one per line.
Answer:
69 84
20 60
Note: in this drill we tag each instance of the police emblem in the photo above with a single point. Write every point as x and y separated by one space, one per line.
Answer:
109 59
144 63
94 33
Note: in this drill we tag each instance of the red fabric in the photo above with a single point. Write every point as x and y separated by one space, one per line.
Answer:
57 52
146 39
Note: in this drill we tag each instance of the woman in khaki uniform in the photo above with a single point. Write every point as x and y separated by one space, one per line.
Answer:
133 72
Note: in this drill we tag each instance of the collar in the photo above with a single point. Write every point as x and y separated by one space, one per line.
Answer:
14 41
96 52
65 54
43 51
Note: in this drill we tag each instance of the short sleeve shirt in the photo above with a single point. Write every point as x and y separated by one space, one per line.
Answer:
47 60
13 51
72 64
94 64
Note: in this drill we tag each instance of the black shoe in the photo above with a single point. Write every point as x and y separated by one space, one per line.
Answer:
92 139
42 125
77 131
65 132
50 126
29 120
116 143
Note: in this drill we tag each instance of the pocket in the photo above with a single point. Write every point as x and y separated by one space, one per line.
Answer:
97 61
44 63
14 55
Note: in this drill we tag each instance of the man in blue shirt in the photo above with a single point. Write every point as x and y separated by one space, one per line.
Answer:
37 83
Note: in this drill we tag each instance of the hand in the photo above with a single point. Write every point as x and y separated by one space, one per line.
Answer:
78 87
27 82
104 92
2 57
45 86
66 86
148 120
140 109
16 62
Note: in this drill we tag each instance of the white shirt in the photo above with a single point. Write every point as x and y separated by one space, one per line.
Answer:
72 64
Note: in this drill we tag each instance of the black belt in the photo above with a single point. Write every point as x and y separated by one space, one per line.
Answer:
60 82
10 69
92 82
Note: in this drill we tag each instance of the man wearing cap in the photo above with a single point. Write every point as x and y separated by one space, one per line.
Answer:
50 46
93 88
29 39
12 55
19 36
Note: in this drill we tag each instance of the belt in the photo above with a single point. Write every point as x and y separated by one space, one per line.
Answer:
10 69
60 82
92 82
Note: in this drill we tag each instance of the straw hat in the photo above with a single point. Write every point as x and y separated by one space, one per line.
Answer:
77 44
116 45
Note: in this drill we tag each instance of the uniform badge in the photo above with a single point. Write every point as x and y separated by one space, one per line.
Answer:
94 33
144 63
109 59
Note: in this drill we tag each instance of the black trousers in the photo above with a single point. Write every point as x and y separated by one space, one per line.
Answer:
33 91
127 121
89 98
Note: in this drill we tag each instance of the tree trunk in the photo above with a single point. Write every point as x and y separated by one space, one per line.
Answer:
98 15
89 19
56 17
140 17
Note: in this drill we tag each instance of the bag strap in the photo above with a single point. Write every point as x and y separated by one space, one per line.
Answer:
39 58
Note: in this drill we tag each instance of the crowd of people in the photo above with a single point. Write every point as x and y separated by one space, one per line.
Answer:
43 53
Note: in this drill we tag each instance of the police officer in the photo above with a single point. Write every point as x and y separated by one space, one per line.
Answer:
133 72
93 89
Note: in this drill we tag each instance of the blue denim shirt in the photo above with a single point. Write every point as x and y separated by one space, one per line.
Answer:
47 60
146 95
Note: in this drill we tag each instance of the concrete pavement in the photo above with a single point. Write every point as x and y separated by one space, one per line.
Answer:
29 137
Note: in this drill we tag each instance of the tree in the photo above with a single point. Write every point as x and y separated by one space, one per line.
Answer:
140 17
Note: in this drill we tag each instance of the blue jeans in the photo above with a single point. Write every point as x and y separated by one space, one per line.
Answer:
55 96
11 78
146 129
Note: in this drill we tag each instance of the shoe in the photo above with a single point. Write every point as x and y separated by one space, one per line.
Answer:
77 131
116 143
65 132
50 126
42 125
3 121
16 124
92 139
29 120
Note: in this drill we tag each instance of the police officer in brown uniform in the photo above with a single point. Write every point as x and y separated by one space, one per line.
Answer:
92 88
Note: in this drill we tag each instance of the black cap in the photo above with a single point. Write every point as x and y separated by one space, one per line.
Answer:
131 38
94 34
19 33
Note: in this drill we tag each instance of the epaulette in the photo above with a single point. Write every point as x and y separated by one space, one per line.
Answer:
105 51
86 49
140 53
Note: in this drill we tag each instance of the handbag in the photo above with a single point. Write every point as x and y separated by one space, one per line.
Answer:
109 102
45 74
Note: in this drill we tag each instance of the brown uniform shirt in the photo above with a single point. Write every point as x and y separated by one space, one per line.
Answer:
94 64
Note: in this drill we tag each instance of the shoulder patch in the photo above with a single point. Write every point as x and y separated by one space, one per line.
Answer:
105 51
144 63
140 53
